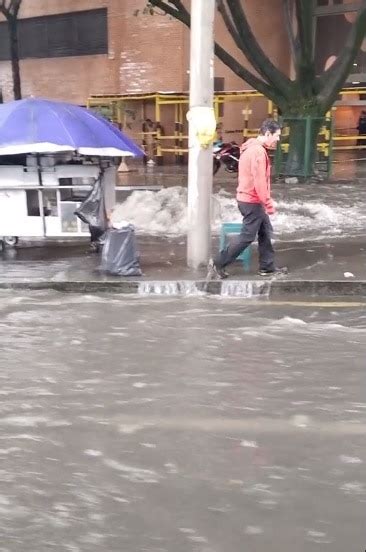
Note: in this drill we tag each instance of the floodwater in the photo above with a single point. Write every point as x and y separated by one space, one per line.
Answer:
176 425
330 210
305 212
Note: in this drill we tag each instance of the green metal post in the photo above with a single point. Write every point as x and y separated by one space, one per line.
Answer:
279 154
330 156
307 147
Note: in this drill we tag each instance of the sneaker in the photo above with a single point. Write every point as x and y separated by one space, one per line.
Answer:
273 271
215 272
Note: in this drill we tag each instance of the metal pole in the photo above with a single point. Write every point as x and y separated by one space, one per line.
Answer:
200 159
40 196
307 168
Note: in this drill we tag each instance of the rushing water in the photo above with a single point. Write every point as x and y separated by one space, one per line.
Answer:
181 287
180 424
303 213
248 289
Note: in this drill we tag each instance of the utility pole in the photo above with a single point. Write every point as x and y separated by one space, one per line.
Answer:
201 117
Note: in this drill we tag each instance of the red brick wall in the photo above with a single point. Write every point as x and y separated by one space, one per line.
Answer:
146 53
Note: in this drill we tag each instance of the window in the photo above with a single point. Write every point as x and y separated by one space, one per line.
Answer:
68 34
49 203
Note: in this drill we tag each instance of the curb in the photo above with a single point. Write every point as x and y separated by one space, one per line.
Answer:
227 288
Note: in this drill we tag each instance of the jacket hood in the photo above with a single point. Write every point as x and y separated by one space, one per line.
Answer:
249 143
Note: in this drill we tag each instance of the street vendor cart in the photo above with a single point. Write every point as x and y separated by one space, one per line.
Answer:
52 154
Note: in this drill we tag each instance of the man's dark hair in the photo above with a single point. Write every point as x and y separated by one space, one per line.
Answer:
269 125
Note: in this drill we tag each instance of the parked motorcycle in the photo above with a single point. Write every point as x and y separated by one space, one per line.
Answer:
228 155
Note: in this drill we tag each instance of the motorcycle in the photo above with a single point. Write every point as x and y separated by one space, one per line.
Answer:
228 155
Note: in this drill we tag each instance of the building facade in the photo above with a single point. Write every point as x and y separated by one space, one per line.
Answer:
70 50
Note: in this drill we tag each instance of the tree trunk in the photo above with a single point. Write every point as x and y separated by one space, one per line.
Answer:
302 151
307 94
14 54
296 148
303 120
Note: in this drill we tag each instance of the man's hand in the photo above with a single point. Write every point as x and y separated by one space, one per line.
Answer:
269 207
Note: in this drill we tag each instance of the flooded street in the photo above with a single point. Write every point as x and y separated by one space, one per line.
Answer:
176 425
305 212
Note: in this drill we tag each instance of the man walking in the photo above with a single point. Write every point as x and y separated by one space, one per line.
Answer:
255 203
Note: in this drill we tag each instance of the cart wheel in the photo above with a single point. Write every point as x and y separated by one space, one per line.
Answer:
9 241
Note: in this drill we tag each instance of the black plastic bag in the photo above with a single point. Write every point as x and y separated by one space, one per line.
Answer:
120 256
92 210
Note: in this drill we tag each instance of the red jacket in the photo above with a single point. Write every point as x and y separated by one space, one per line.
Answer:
255 175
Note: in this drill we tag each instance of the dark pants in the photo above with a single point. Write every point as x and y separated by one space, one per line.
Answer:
255 222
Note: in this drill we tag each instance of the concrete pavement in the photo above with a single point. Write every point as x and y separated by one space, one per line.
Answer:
315 268
320 236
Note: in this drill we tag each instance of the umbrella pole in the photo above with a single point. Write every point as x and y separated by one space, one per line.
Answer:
40 196
102 186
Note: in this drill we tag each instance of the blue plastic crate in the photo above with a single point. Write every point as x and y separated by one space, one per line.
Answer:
230 228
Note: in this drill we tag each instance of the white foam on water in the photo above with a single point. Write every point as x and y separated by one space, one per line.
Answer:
353 488
246 289
350 459
299 325
7 451
253 530
133 473
129 429
197 539
182 287
249 444
24 421
229 288
23 436
289 321
91 452
165 213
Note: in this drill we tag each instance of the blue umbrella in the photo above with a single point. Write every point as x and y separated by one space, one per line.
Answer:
42 126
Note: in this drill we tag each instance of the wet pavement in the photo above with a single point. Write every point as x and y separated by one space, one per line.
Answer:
161 425
319 231
164 259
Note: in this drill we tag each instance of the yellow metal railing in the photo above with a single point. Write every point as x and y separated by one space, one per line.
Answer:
117 106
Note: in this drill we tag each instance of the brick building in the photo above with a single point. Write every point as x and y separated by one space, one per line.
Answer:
136 54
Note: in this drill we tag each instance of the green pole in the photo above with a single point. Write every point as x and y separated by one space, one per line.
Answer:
279 153
330 156
307 147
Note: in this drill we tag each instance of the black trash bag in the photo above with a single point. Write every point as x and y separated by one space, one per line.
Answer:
119 256
92 210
